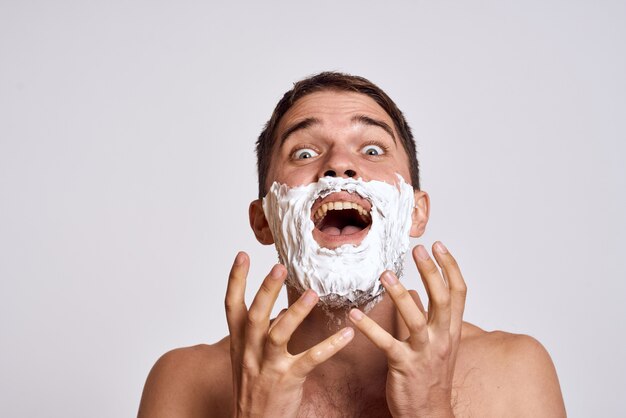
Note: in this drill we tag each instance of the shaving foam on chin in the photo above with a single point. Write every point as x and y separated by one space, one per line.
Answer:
347 275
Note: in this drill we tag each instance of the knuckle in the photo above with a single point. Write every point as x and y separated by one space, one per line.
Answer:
275 339
314 356
279 369
256 318
298 309
395 352
441 298
232 305
396 290
404 296
310 360
443 349
419 321
248 366
265 288
430 271
460 291
389 345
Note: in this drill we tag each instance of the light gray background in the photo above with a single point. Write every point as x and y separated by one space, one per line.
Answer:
127 165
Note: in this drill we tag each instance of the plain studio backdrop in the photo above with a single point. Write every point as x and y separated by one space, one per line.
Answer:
127 163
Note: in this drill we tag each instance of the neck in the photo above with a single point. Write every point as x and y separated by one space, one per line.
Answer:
349 363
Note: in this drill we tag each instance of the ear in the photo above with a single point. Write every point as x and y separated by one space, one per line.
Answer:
421 212
259 223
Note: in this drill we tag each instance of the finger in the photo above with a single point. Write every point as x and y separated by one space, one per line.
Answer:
305 362
261 308
376 334
456 285
281 333
274 321
234 301
411 314
438 293
418 302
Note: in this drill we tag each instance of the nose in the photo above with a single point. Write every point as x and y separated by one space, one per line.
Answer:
339 163
333 173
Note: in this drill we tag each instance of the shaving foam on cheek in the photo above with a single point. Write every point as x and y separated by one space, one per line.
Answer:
347 275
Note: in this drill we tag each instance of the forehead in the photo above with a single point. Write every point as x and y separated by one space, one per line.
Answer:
335 107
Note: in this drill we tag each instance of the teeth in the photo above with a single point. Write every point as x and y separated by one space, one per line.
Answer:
321 211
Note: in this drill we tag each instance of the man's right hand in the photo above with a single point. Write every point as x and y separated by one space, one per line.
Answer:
267 379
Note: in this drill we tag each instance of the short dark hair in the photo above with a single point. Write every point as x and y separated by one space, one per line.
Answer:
333 81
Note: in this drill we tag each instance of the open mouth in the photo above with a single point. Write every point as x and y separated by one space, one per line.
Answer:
341 218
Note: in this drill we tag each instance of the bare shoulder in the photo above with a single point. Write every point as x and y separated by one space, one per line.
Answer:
189 382
507 374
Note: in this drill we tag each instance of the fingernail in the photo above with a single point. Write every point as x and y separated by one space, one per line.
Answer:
309 297
347 332
422 254
389 278
276 272
356 315
440 247
240 257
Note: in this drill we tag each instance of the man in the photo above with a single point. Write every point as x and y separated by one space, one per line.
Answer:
382 354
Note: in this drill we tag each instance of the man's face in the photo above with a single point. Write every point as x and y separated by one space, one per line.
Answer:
341 134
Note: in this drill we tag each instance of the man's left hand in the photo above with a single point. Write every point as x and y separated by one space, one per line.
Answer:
421 368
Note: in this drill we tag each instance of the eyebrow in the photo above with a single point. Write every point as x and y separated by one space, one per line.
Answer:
366 120
303 124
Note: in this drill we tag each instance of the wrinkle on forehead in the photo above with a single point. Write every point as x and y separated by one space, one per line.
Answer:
337 108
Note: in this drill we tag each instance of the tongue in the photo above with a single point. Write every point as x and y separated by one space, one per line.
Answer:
346 230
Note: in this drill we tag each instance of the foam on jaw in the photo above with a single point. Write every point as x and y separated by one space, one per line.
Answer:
349 274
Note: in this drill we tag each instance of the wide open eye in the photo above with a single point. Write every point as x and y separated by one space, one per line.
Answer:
304 153
372 150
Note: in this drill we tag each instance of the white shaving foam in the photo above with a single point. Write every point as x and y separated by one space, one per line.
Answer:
349 274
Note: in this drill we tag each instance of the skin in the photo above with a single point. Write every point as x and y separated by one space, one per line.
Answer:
399 360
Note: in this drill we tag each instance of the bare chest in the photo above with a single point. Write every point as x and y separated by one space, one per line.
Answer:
343 401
